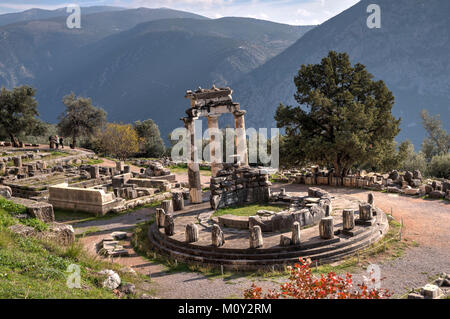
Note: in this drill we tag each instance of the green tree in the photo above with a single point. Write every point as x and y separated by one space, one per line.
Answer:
343 117
119 140
439 166
152 144
18 113
413 160
438 141
80 118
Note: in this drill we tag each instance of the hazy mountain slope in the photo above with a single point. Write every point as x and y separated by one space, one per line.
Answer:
144 72
41 14
270 36
135 63
409 52
30 51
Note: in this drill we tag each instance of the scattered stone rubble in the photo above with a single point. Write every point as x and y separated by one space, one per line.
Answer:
60 233
408 183
110 247
439 289
112 280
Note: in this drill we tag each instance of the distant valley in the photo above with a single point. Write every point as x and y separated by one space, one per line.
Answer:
138 63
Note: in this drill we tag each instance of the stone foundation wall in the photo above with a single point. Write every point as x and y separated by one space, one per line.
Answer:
408 183
89 200
236 185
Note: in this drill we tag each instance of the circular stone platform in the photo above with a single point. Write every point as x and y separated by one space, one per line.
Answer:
235 254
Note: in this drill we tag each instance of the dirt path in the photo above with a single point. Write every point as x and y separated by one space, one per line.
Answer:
426 222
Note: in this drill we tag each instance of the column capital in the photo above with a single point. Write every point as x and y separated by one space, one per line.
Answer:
213 116
239 113
189 119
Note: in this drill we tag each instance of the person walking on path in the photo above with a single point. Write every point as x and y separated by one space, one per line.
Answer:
61 142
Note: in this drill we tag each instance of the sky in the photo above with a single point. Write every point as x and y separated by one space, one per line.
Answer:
296 12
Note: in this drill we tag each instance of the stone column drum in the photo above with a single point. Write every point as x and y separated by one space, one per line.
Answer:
217 236
214 145
240 139
326 228
195 186
296 233
178 201
120 166
370 199
160 217
94 171
17 161
167 206
328 209
365 212
169 225
191 233
256 239
348 219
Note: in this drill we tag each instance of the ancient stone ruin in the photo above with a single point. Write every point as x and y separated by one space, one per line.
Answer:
211 103
407 183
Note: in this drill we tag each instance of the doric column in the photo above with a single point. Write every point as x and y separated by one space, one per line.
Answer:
195 186
240 139
214 145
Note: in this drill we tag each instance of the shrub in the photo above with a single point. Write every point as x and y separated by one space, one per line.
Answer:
414 161
303 285
439 166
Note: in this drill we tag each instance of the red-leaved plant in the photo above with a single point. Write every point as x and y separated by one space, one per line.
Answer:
303 285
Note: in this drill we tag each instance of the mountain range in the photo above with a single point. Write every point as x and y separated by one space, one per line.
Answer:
135 63
410 52
138 63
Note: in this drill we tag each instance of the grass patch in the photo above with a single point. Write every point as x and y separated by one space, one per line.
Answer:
89 162
9 211
89 231
64 215
31 268
11 207
94 162
76 217
183 169
278 178
389 247
248 210
142 246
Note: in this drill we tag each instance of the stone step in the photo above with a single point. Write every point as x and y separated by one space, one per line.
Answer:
246 262
288 252
243 264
